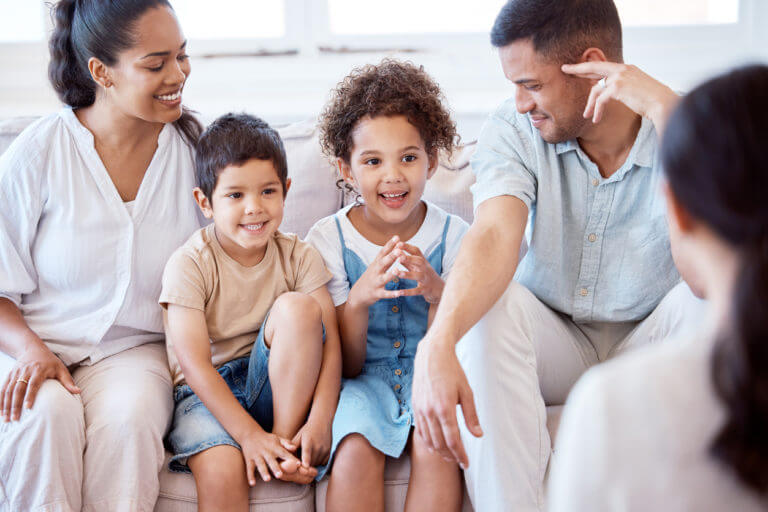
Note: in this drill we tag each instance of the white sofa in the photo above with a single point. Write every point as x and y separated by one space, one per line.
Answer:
314 195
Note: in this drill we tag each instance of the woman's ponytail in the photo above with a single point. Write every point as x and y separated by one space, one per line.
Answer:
67 73
740 373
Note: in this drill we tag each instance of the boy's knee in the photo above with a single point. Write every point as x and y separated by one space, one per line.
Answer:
296 306
219 474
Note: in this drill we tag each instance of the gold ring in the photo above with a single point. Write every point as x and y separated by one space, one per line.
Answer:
25 381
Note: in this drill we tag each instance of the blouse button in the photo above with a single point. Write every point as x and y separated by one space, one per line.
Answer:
397 387
398 372
397 344
395 279
395 309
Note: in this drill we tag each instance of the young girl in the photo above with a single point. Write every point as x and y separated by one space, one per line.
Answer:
389 254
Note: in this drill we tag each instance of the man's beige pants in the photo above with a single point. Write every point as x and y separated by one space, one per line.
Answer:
523 356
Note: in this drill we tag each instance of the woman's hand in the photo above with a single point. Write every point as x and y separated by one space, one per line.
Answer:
430 284
625 83
36 364
371 285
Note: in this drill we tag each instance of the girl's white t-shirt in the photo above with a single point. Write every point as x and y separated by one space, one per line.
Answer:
324 235
83 267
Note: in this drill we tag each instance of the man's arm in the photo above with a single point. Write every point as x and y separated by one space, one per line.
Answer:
484 268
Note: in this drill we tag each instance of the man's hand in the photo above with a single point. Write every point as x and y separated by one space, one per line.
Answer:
625 83
439 384
314 438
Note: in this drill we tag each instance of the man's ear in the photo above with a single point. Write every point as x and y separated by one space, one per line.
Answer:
593 55
677 212
203 202
434 162
100 72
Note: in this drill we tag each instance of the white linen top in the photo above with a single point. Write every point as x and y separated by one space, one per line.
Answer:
324 235
83 267
635 436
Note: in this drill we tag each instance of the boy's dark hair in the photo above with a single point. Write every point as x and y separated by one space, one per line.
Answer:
233 139
389 88
560 30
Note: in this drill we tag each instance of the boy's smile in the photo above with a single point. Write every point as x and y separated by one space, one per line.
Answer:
247 208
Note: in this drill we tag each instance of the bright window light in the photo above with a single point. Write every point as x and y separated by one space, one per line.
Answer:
359 17
22 21
231 19
678 12
408 16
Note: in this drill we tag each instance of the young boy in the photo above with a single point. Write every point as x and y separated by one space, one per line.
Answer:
251 330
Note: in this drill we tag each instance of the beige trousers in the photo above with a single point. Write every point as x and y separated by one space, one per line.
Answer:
523 356
101 450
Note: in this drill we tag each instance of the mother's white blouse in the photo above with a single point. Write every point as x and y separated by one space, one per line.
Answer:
84 268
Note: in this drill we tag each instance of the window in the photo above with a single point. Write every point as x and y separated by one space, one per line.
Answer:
22 21
231 19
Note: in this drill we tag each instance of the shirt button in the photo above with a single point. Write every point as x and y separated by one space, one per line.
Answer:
592 237
398 372
397 344
395 280
395 309
595 182
583 292
397 387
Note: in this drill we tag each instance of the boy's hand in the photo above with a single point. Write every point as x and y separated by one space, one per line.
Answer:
269 454
371 285
315 441
430 284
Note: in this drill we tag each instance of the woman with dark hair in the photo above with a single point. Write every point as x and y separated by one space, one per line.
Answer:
682 426
93 200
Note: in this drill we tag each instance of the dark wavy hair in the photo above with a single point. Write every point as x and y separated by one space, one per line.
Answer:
101 29
233 139
560 29
714 156
389 88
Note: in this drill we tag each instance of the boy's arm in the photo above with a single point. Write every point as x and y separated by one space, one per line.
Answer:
326 395
187 331
353 331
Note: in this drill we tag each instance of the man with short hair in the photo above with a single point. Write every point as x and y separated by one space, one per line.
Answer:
572 156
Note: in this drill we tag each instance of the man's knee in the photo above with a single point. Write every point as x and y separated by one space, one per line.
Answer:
55 410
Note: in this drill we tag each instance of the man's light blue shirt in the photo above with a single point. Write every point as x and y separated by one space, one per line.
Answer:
598 247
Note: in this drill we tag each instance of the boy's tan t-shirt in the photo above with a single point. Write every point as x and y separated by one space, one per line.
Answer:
235 298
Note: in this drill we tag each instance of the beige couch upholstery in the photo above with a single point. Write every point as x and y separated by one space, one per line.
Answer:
314 195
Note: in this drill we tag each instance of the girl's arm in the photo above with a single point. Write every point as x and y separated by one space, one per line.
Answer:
353 314
187 331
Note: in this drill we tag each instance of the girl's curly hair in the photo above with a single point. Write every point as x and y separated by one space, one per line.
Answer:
389 88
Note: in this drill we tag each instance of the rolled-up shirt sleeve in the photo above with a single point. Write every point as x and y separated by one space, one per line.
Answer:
21 205
502 164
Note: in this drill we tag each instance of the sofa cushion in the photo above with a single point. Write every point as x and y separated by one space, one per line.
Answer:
178 494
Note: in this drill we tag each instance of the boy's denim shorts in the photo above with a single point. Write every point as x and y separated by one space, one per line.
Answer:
195 429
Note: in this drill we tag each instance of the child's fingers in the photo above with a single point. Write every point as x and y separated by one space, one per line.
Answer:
307 451
410 292
263 470
250 468
413 276
412 249
291 445
274 467
388 247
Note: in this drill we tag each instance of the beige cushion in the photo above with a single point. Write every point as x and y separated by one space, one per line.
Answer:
178 494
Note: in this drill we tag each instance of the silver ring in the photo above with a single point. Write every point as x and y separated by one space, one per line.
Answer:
601 82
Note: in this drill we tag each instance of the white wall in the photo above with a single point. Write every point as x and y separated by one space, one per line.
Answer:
288 88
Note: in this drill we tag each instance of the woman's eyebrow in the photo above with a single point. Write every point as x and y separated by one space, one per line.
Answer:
163 54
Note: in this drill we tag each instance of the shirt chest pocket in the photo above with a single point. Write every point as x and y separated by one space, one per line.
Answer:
646 257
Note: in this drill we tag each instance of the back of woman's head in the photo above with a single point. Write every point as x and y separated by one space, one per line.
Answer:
714 156
85 29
